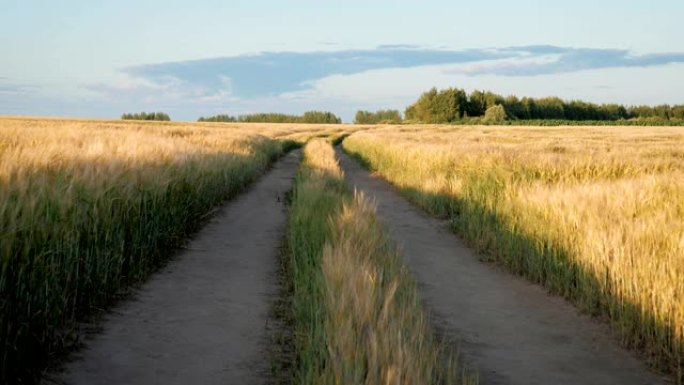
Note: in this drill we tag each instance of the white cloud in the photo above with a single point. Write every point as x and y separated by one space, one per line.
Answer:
503 65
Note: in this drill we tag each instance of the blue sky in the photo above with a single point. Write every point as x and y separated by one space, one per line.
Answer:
202 57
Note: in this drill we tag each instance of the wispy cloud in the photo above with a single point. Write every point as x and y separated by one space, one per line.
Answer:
8 87
273 73
164 92
543 60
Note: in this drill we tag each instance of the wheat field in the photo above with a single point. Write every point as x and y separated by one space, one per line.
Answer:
89 207
595 214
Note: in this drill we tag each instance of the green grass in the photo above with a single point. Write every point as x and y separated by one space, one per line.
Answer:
357 316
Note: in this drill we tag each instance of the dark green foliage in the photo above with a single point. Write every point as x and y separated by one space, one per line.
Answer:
445 106
678 112
317 117
563 122
496 113
160 116
269 118
378 117
218 118
320 117
477 104
550 108
452 105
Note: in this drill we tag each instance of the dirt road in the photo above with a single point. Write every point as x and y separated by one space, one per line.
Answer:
512 331
203 318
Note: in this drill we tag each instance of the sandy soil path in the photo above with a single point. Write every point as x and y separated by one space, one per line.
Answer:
512 331
203 318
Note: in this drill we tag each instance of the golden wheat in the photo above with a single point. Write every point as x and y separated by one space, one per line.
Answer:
90 206
594 213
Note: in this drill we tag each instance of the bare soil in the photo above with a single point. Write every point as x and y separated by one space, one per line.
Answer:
204 318
511 331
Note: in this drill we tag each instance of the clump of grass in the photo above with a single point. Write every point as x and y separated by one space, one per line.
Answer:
600 222
317 195
357 315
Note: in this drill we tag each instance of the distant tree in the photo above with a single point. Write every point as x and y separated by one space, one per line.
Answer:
496 113
610 112
678 112
218 118
641 112
578 110
551 108
269 118
364 117
513 106
477 104
322 117
443 106
529 109
410 112
492 99
146 116
389 116
662 111
378 117
453 105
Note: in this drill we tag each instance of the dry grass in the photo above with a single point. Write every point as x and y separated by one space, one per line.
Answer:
88 207
357 313
594 213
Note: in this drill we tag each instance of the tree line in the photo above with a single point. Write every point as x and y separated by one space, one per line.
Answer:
319 117
455 105
378 117
146 116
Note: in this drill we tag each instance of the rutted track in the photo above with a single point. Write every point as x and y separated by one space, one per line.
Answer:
512 331
203 319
